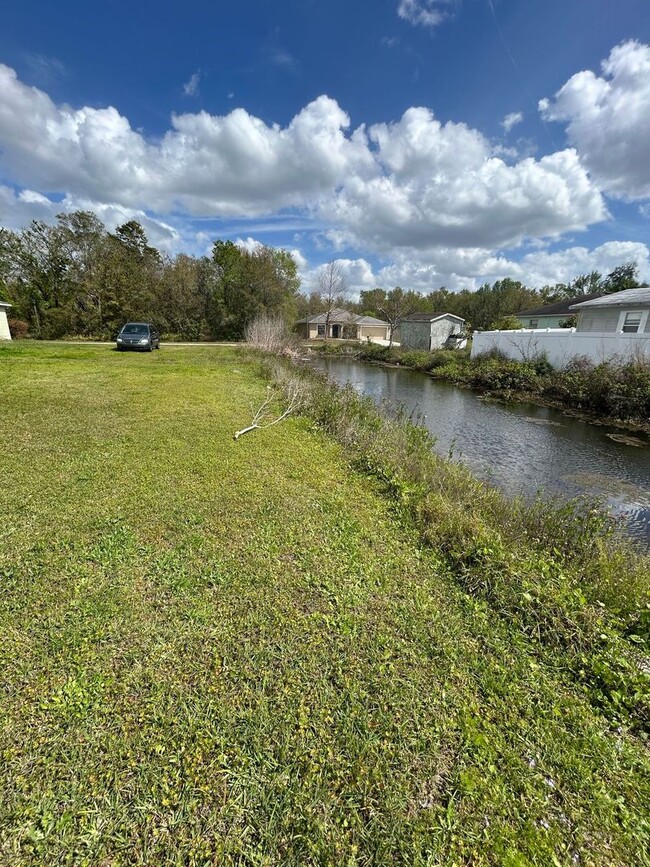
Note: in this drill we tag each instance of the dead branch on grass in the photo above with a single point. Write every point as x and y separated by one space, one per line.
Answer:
263 418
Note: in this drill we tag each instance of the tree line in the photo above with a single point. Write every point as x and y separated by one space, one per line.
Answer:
75 278
492 305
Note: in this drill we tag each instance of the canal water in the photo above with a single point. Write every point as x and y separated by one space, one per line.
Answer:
519 448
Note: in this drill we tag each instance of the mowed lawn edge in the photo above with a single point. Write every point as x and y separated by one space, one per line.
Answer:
236 652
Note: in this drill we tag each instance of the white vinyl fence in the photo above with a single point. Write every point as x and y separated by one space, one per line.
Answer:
560 345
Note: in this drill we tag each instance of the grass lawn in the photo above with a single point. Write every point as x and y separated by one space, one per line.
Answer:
220 652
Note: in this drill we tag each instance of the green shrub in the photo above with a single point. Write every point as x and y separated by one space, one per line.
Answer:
419 359
444 357
608 389
504 375
542 365
506 323
18 328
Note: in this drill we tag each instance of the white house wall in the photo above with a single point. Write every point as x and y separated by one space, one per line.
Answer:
544 321
5 334
562 344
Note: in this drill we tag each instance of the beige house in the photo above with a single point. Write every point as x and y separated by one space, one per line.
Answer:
343 325
5 334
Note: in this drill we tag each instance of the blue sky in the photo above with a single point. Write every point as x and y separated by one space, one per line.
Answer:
418 142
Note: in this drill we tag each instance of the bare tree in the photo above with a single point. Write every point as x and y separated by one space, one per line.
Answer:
398 305
332 287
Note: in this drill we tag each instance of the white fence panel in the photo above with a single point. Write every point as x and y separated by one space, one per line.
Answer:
560 345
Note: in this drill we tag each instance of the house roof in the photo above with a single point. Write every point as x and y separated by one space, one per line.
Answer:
559 308
369 320
627 298
341 317
429 317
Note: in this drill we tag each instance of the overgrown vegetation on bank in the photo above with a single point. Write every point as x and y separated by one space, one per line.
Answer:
607 390
220 652
557 570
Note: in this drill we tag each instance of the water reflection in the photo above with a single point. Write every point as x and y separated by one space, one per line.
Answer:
521 448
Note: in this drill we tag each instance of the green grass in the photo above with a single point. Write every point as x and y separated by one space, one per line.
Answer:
219 652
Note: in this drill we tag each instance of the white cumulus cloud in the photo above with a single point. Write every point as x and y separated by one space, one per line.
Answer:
608 119
231 165
250 245
442 185
469 268
541 267
413 184
439 200
18 209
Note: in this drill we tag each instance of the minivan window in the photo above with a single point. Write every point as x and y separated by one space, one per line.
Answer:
135 329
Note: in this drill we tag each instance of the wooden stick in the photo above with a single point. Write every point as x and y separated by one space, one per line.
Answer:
245 430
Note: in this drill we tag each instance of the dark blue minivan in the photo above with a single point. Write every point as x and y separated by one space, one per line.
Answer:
138 335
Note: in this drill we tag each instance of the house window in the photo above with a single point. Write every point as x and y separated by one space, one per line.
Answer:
321 331
533 323
632 322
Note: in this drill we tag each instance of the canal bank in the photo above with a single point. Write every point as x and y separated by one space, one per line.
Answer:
554 569
521 448
613 394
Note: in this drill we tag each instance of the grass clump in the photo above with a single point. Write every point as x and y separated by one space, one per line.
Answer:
220 652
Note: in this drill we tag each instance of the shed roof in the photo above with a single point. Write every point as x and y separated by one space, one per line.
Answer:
627 298
429 317
5 304
559 308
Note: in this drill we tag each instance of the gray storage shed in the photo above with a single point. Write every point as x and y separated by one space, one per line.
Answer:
432 331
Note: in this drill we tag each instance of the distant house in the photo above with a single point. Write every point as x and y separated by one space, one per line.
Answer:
5 334
343 325
552 315
609 327
626 312
432 331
